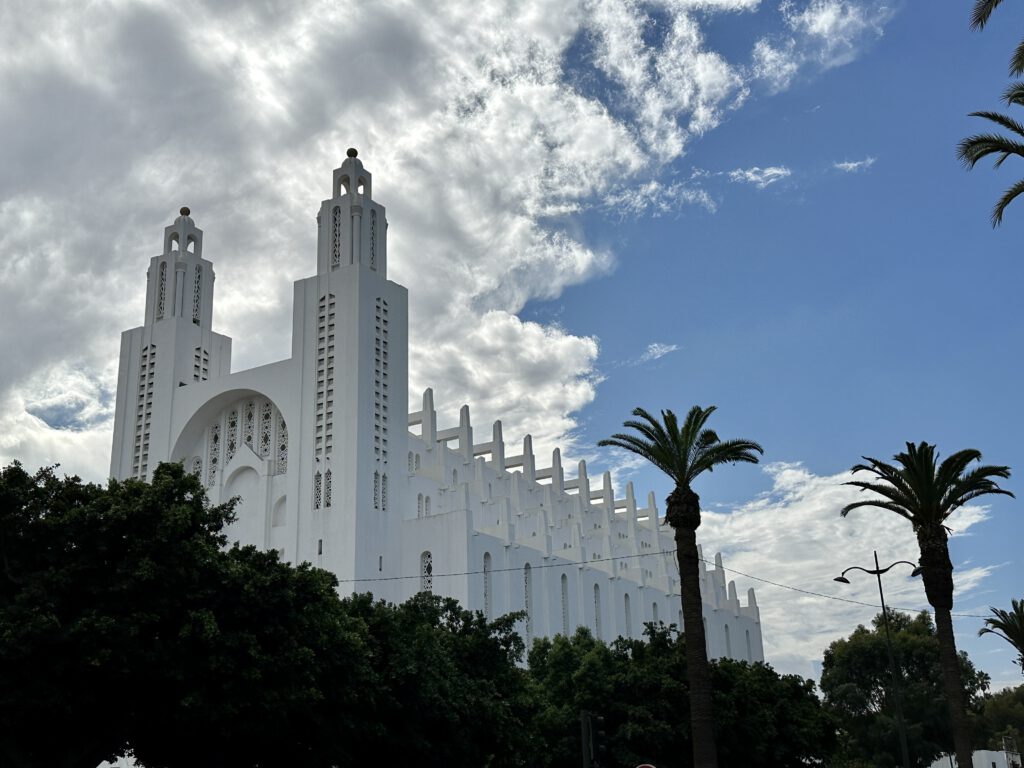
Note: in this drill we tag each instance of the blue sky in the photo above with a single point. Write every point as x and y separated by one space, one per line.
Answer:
766 192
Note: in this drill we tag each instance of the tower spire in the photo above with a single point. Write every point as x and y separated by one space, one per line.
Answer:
352 226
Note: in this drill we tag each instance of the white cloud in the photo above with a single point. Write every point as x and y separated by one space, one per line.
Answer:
760 177
485 146
794 535
655 351
820 34
852 166
776 65
655 198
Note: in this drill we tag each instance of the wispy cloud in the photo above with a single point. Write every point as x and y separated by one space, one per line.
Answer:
655 199
852 166
820 34
655 351
760 177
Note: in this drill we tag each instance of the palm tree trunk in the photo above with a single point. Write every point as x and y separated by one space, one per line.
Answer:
937 574
683 514
950 666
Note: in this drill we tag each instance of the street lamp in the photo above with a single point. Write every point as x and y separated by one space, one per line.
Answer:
877 573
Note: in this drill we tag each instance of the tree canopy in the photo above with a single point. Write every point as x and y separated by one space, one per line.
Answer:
639 686
856 684
125 623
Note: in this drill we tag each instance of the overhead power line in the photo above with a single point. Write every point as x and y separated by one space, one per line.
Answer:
574 563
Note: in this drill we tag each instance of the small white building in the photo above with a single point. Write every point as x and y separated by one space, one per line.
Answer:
333 468
982 758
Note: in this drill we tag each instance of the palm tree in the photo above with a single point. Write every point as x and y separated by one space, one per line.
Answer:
1008 625
683 454
926 495
981 145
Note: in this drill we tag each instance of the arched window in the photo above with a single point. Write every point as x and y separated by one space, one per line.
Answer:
565 605
488 587
629 617
376 490
426 572
317 490
327 488
728 642
528 601
426 505
419 505
410 462
384 492
417 464
455 478
654 611
750 655
598 633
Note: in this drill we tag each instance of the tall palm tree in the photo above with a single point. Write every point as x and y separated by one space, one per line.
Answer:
683 453
926 495
981 145
1008 625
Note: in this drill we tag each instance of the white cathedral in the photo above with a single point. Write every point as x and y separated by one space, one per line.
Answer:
332 467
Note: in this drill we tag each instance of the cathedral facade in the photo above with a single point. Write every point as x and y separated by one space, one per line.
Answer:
333 468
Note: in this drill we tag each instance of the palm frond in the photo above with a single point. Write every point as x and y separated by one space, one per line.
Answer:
954 465
681 451
890 505
727 452
1017 60
921 489
1014 93
1008 625
895 487
1008 197
978 147
981 11
999 118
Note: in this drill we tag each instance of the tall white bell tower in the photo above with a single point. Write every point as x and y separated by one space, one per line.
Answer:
175 346
351 332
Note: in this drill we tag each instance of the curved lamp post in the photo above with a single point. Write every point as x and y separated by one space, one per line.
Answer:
877 573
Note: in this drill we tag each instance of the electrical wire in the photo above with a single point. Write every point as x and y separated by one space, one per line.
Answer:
574 563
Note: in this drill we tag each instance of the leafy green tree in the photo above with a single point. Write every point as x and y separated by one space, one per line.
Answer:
638 686
926 493
858 691
1002 716
447 689
684 453
124 623
1008 625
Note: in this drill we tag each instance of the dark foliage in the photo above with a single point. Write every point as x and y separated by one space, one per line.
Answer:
858 692
638 686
